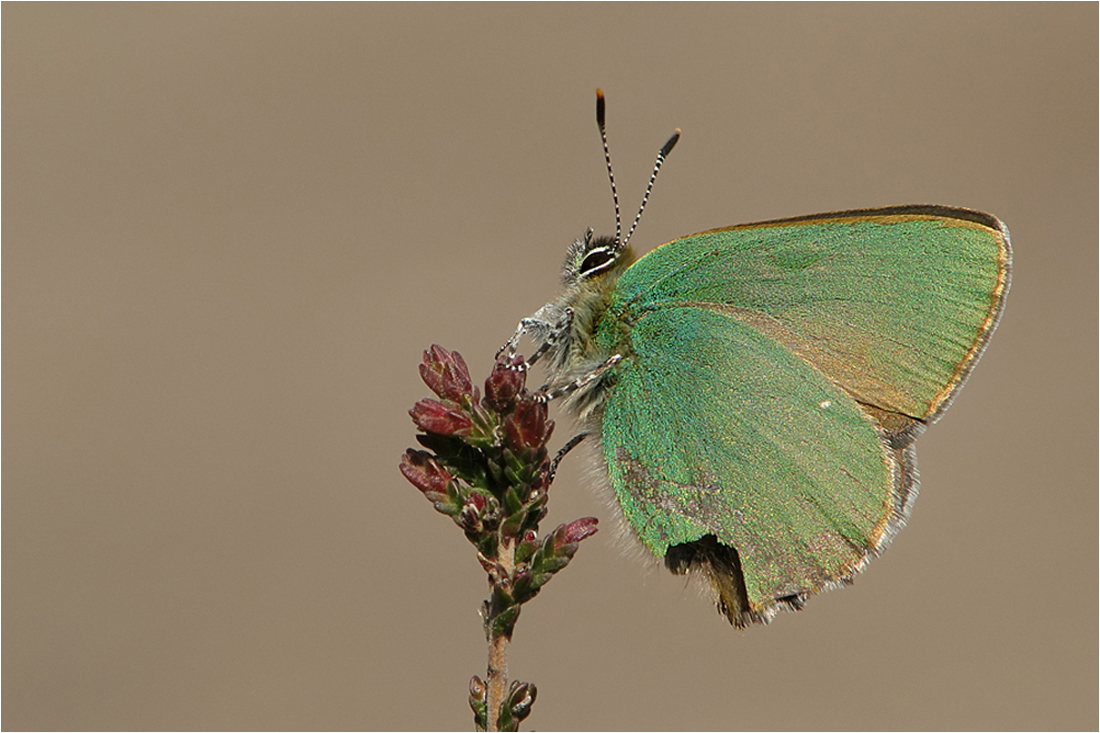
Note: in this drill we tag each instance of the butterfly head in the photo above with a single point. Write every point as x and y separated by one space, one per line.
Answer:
565 328
592 258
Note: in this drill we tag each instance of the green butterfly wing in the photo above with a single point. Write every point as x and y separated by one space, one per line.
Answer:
774 379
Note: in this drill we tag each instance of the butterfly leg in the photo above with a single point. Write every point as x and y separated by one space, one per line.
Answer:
547 328
545 395
573 443
554 337
512 344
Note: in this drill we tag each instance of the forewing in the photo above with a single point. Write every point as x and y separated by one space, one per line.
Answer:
715 428
894 305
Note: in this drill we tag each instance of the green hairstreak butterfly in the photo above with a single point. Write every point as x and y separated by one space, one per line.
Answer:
756 391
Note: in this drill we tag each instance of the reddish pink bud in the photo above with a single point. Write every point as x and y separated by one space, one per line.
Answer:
505 382
425 472
435 417
477 500
574 532
528 428
469 518
446 374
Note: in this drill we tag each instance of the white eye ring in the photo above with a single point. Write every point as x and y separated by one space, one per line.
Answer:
608 258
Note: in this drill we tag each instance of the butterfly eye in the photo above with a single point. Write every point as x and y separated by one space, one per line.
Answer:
596 260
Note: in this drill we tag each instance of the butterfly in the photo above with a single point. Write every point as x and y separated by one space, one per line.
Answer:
755 391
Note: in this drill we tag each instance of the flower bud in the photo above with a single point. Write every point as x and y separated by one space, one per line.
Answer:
433 416
479 697
478 689
505 382
446 374
574 532
425 473
469 518
477 500
521 697
528 428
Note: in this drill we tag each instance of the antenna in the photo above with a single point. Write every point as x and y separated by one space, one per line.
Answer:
661 155
601 115
600 118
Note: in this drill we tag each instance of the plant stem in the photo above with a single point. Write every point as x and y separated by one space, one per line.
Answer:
498 646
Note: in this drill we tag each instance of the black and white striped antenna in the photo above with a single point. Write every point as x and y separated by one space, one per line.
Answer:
601 116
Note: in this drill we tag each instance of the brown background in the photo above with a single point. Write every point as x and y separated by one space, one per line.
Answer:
229 231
